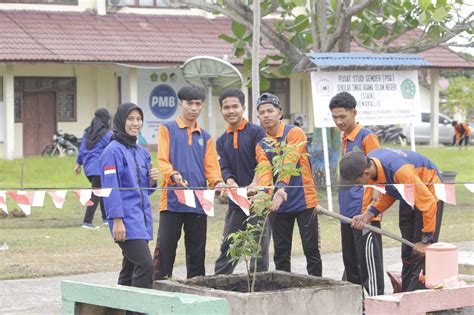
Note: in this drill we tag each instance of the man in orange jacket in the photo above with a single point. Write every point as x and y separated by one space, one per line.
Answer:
462 131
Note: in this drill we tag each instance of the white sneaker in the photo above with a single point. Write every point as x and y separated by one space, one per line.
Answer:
90 226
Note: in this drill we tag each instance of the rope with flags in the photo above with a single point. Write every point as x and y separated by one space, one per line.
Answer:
35 197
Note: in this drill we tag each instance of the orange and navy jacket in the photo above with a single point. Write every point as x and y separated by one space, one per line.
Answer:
236 149
462 129
356 200
189 152
407 167
299 198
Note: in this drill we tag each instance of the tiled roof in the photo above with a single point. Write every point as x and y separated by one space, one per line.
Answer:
367 60
130 38
121 38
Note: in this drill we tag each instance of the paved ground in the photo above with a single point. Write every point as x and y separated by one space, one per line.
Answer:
43 295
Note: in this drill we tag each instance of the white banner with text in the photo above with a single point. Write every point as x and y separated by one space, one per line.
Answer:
384 97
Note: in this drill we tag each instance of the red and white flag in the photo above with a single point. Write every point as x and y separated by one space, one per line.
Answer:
186 197
110 170
379 188
446 192
37 198
22 200
206 198
59 197
470 187
3 201
103 192
239 197
407 191
84 196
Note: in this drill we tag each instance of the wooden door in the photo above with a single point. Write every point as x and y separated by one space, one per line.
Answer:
39 121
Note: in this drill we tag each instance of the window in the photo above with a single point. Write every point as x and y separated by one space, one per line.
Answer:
62 2
64 89
281 88
425 117
147 3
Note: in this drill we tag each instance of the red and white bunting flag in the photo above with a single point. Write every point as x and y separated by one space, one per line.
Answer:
379 188
22 200
103 192
470 187
407 191
37 198
446 192
110 170
84 196
239 196
59 197
206 198
3 201
186 197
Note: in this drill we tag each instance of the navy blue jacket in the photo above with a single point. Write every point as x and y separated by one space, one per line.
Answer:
89 159
237 158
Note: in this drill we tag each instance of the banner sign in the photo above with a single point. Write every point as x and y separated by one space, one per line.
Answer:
158 97
384 97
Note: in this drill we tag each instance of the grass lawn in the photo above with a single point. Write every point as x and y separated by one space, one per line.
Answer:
51 242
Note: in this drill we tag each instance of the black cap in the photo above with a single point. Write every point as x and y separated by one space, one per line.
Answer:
351 167
268 98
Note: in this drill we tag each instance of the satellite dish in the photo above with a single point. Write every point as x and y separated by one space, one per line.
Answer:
213 74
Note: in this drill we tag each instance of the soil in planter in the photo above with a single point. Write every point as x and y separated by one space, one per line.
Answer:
265 282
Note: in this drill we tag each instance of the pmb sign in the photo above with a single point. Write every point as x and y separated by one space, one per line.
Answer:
163 101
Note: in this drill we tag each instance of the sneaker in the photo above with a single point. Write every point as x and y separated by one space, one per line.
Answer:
105 222
90 226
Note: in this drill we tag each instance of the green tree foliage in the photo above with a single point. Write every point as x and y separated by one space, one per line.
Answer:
298 27
460 97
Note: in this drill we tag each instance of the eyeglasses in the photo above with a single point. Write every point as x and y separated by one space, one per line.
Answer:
268 98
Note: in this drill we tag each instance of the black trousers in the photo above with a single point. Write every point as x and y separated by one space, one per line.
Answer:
137 264
90 210
169 233
465 139
236 219
411 223
282 225
363 258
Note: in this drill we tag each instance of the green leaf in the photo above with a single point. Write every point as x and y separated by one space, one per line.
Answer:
264 84
424 4
248 64
239 52
275 57
434 32
227 38
238 29
380 32
423 18
301 23
439 14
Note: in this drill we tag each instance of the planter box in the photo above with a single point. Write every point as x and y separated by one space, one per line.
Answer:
277 293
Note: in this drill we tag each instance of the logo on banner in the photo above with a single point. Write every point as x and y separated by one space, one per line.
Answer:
408 88
163 101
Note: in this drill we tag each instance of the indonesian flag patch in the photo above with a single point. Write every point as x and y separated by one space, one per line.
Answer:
110 170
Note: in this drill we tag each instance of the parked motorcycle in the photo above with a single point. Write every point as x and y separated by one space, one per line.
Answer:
391 134
63 144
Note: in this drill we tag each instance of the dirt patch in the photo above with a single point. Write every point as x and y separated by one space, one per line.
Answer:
266 281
